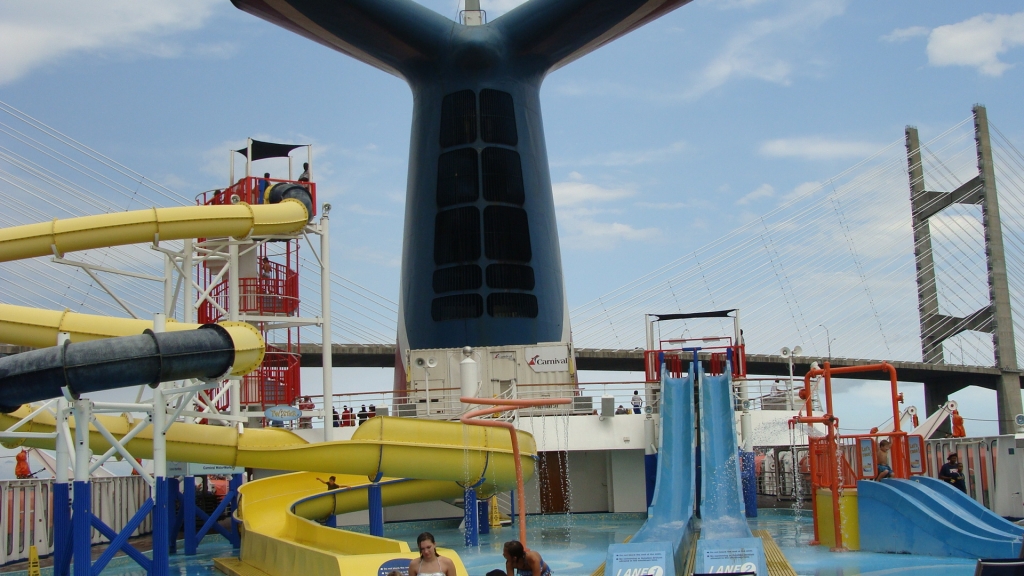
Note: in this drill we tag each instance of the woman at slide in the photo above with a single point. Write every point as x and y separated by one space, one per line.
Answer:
430 563
526 561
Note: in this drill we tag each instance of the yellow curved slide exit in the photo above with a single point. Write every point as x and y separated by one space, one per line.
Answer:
421 460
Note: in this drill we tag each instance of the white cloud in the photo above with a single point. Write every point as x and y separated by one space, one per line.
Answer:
630 157
578 192
802 190
977 42
36 33
578 225
762 191
578 230
752 52
904 34
663 205
816 148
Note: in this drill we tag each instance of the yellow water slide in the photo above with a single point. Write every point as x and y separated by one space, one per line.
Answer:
420 460
38 328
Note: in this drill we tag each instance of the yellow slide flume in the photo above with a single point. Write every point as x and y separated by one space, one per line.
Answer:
421 460
143 226
22 326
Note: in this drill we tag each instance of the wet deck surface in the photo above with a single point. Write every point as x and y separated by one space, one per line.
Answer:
577 545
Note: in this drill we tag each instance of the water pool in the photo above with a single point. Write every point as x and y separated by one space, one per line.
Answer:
575 546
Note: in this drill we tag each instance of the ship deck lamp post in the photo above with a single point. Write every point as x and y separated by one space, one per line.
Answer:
789 355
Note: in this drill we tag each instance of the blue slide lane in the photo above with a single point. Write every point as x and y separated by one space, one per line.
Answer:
669 528
970 507
928 517
722 510
726 543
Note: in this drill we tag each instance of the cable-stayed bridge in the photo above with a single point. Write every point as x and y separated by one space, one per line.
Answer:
846 267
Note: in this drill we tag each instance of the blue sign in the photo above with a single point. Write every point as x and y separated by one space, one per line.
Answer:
399 565
282 413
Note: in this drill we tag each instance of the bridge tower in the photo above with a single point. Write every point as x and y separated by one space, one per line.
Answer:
995 318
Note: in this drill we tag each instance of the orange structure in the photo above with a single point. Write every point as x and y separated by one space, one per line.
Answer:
958 425
21 469
832 457
471 418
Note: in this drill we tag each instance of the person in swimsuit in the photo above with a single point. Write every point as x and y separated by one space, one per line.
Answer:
882 458
526 561
430 563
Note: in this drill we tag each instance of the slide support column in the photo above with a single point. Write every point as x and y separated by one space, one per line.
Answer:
189 495
376 509
470 514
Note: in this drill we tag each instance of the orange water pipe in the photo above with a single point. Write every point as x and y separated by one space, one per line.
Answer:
832 427
470 418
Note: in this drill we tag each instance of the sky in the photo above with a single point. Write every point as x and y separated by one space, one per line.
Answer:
659 142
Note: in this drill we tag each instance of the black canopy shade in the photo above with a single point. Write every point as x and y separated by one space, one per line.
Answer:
714 314
261 150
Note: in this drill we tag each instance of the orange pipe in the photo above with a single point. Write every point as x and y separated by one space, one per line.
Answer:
469 418
831 423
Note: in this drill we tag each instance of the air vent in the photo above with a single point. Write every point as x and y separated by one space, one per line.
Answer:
457 307
503 176
511 305
457 178
498 118
506 234
458 119
457 236
458 278
507 277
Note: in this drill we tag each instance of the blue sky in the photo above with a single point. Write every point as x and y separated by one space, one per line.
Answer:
659 142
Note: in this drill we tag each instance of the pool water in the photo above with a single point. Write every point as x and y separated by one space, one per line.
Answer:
576 545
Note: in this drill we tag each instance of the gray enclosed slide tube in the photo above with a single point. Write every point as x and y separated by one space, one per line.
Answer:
150 358
283 191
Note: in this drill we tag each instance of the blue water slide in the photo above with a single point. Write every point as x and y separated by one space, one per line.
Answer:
928 517
970 507
726 543
669 528
722 510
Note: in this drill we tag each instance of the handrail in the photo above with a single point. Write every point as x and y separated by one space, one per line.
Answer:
470 419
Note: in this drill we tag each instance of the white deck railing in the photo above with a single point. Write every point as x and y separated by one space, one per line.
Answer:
26 514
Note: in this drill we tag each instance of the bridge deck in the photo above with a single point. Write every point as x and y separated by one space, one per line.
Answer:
947 375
